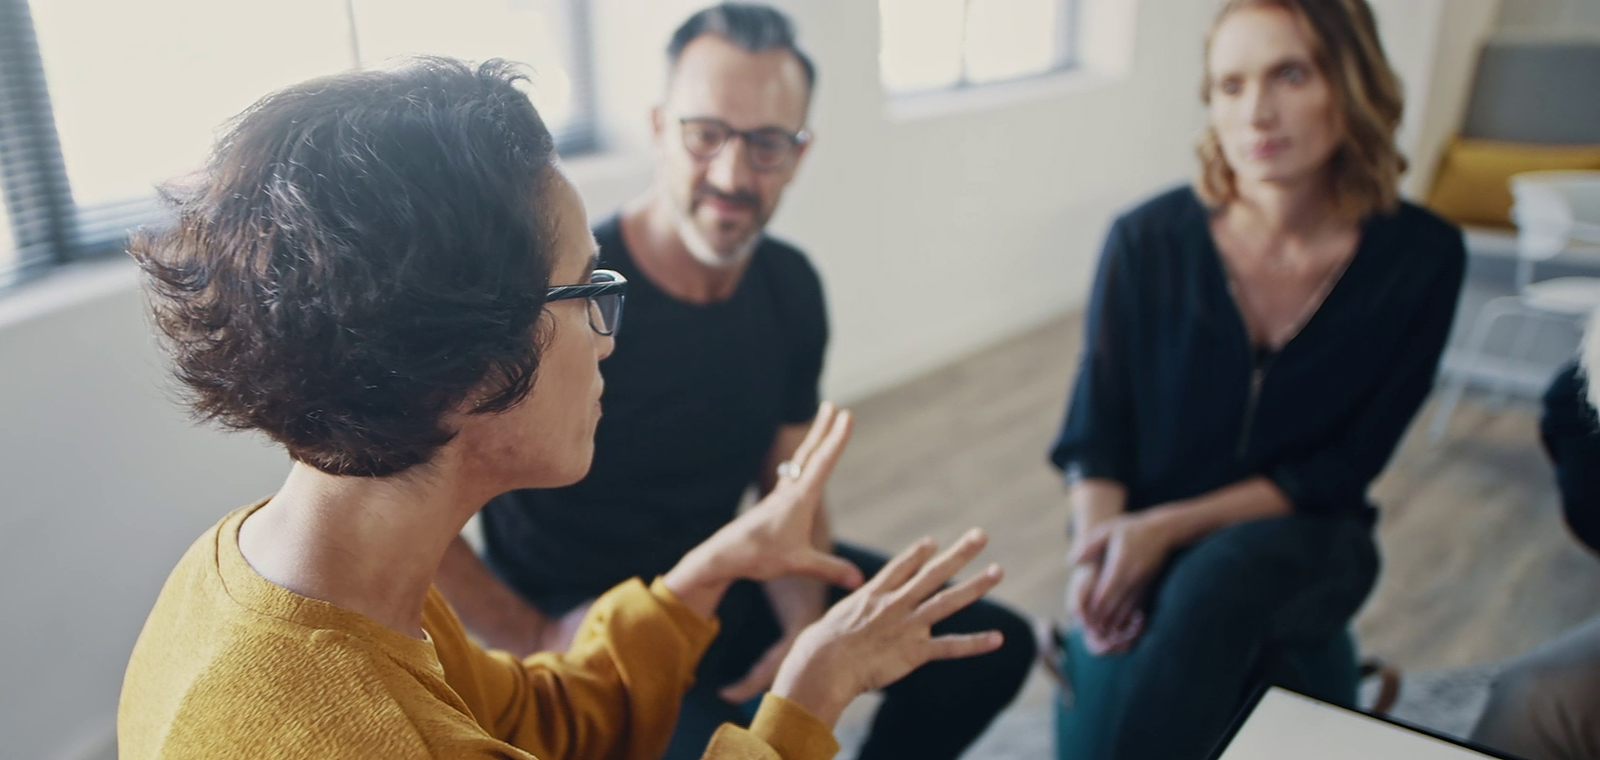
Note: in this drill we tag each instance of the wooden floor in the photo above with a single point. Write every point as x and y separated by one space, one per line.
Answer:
1478 565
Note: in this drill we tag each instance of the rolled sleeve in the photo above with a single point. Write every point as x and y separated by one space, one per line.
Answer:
782 730
614 693
1096 438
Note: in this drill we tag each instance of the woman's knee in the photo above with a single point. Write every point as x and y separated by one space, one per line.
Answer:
1246 575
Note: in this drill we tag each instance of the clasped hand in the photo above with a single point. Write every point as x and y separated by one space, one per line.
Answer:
1113 566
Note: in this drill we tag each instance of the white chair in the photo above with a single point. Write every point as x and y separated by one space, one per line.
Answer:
1553 211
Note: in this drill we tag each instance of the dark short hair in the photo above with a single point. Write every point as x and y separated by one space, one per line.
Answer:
363 252
751 26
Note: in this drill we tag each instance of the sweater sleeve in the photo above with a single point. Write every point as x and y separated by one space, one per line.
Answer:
1096 438
613 694
782 730
1338 474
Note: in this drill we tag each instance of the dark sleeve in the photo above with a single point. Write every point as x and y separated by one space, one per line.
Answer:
1571 437
1096 438
1337 475
806 316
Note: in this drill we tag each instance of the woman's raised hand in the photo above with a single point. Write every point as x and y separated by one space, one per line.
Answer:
774 538
882 632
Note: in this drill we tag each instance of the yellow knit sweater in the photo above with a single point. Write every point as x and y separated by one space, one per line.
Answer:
230 665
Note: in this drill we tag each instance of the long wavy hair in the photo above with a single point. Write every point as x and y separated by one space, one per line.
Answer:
1367 165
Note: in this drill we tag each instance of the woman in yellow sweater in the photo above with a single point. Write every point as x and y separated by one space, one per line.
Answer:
388 273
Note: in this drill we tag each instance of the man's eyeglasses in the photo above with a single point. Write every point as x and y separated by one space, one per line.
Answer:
767 148
604 292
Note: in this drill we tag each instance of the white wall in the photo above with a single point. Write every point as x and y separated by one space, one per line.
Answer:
102 485
936 234
1434 45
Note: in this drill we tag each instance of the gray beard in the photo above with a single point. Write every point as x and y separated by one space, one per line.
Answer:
702 250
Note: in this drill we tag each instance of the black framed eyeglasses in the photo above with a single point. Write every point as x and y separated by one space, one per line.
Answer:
604 291
766 149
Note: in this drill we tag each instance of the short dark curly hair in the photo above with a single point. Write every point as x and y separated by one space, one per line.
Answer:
363 252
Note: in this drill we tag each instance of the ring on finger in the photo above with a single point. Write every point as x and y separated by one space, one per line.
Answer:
789 470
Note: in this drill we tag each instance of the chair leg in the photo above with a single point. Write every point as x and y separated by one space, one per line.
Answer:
1520 349
1490 313
1388 684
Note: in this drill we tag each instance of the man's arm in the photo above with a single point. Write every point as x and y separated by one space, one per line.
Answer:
490 610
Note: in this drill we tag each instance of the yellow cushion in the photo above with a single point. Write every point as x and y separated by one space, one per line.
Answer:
1473 185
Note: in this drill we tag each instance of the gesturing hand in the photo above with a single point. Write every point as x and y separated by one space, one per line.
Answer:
773 538
882 632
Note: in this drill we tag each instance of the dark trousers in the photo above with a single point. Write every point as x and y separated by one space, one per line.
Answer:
935 712
1219 617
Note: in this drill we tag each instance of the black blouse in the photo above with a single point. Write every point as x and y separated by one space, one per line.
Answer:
1172 401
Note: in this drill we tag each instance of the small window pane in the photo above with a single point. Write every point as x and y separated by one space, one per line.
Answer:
139 88
1007 39
524 31
920 44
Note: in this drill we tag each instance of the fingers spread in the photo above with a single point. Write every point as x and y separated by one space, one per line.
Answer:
957 645
944 567
947 602
819 428
819 462
904 565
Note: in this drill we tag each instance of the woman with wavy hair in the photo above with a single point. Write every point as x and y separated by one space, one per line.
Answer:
388 273
1256 344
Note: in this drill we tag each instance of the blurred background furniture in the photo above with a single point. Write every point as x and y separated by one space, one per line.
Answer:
1532 108
1554 212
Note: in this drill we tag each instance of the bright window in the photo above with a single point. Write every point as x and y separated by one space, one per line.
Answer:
951 44
138 90
529 32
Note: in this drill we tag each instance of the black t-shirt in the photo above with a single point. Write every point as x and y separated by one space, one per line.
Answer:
694 397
